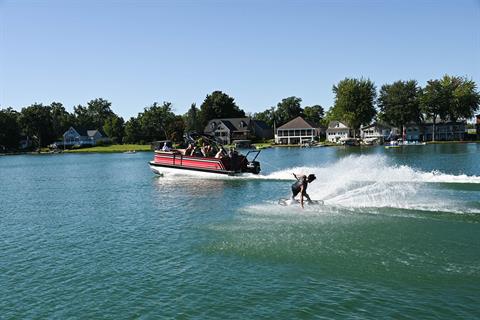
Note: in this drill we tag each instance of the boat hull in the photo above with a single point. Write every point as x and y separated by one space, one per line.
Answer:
161 169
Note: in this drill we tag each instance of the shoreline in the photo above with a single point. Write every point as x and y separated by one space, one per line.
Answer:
146 148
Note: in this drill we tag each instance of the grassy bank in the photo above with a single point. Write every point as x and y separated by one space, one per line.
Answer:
112 148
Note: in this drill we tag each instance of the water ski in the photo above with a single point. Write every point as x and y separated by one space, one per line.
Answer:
289 202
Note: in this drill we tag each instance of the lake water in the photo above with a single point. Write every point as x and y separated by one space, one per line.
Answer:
99 236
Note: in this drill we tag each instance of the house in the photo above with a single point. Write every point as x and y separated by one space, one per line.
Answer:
444 130
82 137
297 131
228 130
378 131
413 132
337 130
477 126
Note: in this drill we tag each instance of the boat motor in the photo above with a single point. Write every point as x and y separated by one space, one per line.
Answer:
253 167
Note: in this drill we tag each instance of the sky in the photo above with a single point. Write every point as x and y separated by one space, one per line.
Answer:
134 53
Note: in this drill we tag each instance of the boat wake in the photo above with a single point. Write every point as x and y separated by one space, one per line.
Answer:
357 182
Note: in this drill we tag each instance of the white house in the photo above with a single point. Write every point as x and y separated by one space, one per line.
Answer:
79 137
337 130
297 131
377 131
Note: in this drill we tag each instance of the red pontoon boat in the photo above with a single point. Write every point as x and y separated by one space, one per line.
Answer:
176 161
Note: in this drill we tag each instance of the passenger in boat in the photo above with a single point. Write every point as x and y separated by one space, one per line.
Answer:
220 154
196 152
189 150
300 186
166 147
208 151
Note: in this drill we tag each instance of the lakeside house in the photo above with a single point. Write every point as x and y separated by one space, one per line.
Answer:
338 131
297 131
230 130
444 130
80 137
378 132
477 126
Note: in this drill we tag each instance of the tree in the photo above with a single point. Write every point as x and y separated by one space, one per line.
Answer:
465 98
100 111
399 103
288 109
192 119
268 116
9 129
354 102
94 115
61 119
114 128
155 121
176 128
133 131
219 105
314 114
450 98
435 102
36 122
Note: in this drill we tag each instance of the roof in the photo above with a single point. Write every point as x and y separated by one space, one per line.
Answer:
228 124
299 123
333 125
233 124
377 124
87 133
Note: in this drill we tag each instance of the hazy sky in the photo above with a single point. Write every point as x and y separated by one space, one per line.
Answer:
134 53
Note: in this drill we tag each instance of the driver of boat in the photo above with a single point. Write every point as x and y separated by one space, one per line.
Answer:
300 186
166 147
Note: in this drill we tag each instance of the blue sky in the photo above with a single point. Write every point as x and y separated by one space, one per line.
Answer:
134 53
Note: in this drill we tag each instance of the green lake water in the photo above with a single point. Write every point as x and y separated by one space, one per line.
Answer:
99 236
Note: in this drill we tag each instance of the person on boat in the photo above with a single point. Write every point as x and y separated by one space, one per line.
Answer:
189 149
207 150
300 186
166 147
220 154
196 152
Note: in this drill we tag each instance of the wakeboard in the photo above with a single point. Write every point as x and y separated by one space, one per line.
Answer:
289 202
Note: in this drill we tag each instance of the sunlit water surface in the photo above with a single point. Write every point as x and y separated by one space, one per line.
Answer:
100 236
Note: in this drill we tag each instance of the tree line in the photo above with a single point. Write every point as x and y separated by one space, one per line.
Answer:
356 103
404 102
45 124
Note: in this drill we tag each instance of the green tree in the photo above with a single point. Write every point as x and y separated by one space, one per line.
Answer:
314 114
176 128
155 121
83 118
133 131
36 122
465 98
435 102
94 115
354 102
268 116
399 103
9 129
219 105
61 119
192 119
114 127
288 109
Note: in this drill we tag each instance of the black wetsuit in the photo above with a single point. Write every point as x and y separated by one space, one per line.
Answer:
297 186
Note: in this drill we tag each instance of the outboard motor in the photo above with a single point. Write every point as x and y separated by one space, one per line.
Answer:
253 167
